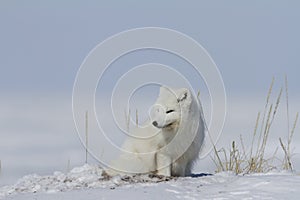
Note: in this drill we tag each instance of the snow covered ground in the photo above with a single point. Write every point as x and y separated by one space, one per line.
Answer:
45 141
87 182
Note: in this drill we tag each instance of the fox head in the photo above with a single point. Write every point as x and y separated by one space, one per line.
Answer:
169 108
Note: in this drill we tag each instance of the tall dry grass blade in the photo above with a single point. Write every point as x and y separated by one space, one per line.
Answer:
136 118
226 162
293 131
264 115
276 106
127 119
86 137
254 133
268 125
252 166
287 162
233 157
287 103
216 164
219 161
264 139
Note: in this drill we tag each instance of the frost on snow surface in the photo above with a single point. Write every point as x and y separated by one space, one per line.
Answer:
81 177
89 182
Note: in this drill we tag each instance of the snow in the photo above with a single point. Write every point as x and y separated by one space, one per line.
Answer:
89 182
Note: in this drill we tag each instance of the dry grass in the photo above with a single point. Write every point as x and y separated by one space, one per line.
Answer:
286 163
136 118
86 136
127 119
238 160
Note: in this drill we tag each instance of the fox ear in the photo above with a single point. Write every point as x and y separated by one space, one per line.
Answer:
163 89
183 95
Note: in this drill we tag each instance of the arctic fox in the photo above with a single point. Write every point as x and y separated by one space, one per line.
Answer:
170 142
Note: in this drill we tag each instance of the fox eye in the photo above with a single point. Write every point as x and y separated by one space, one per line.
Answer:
169 111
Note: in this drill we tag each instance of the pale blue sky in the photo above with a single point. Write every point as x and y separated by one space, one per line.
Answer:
44 43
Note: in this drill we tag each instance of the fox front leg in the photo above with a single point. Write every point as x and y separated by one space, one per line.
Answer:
163 164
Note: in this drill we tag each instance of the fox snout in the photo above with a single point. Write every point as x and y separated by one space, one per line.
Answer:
159 125
163 118
158 116
155 123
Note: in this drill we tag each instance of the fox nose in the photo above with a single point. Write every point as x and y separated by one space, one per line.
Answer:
154 123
